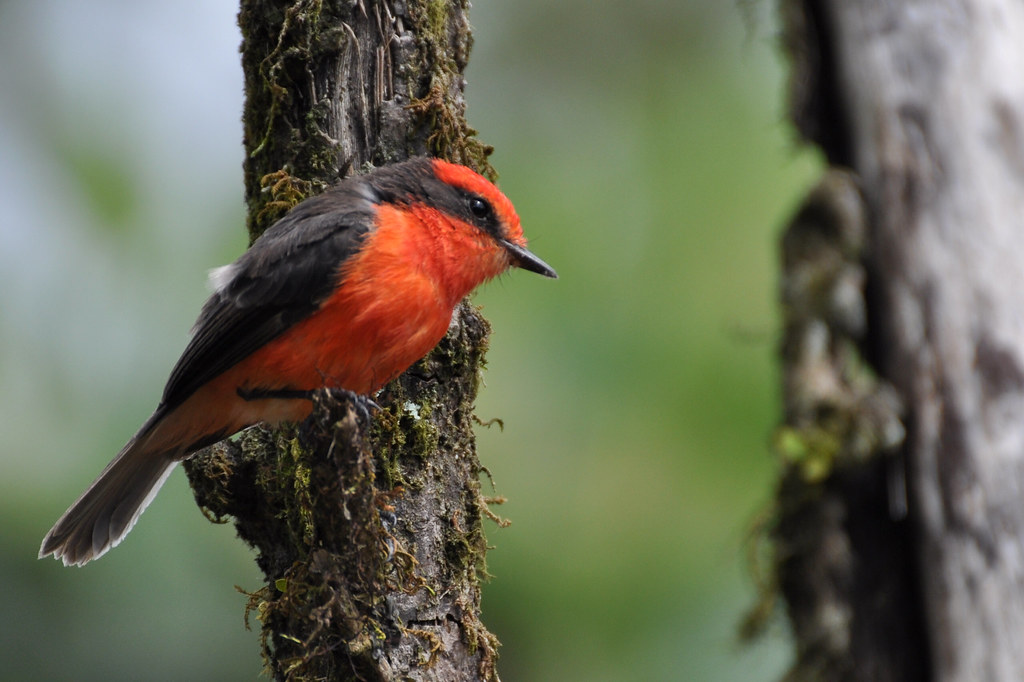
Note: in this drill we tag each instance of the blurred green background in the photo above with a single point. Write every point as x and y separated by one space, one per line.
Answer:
644 146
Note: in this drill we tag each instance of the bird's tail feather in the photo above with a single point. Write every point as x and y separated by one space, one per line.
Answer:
107 510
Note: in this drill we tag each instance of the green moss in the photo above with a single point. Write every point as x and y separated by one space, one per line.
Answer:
283 132
302 497
422 436
436 17
322 593
388 440
440 107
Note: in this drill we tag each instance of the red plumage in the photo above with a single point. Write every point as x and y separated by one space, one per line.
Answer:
346 291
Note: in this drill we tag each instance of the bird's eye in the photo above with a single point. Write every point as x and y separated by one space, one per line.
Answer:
479 208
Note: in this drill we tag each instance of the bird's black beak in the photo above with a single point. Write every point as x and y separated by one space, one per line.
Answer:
522 258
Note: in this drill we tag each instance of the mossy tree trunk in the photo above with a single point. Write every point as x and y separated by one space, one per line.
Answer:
368 528
899 536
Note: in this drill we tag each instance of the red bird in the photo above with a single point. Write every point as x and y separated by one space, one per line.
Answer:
346 291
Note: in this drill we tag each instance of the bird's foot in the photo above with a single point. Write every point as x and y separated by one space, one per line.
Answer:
363 405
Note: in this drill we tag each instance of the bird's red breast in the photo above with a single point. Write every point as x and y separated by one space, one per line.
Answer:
392 304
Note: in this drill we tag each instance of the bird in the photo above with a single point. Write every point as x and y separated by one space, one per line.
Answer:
347 290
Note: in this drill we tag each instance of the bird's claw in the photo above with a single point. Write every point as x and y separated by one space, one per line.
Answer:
363 405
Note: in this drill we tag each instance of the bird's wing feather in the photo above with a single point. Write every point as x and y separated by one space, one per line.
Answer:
285 276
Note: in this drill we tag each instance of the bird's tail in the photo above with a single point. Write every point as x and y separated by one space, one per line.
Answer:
107 510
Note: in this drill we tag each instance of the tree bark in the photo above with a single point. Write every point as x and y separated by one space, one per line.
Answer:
902 558
367 527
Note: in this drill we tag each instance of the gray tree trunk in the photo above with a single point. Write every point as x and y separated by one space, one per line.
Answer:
367 528
899 540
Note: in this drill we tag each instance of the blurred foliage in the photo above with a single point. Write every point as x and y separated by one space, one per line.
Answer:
644 150
643 146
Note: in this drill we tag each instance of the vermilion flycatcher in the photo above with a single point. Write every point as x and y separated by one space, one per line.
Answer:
346 291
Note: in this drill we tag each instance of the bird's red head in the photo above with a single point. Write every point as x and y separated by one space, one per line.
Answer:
472 182
490 208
